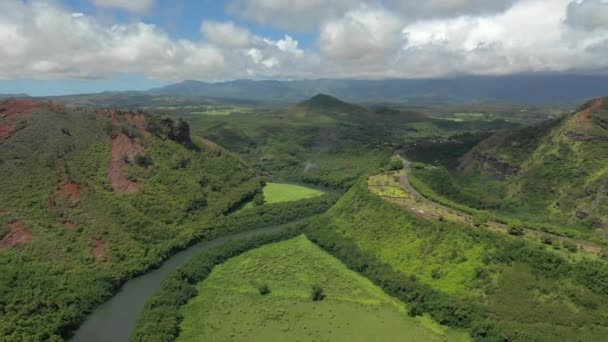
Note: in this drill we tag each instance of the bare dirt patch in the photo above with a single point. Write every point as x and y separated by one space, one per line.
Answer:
6 129
18 235
138 120
68 191
123 149
582 117
114 118
69 225
12 107
98 250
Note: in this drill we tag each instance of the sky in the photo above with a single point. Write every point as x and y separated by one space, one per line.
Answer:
53 47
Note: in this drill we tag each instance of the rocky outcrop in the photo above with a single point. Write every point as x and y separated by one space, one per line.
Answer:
167 128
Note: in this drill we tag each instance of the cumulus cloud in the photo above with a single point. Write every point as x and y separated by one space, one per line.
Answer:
417 10
226 34
40 40
129 5
362 39
290 15
588 14
364 35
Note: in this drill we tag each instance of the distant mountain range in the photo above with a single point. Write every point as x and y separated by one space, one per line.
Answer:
531 89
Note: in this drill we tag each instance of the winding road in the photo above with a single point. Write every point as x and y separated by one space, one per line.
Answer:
583 245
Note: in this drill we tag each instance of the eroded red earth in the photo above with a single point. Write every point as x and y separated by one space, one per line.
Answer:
98 250
583 116
138 120
6 129
68 191
17 235
12 107
123 147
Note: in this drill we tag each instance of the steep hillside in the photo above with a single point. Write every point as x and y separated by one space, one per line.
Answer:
499 288
559 168
89 198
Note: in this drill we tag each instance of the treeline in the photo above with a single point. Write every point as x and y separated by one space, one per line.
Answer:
420 298
440 182
160 318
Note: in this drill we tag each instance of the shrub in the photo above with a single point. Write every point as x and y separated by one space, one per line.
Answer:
572 247
143 160
264 290
516 230
258 199
317 294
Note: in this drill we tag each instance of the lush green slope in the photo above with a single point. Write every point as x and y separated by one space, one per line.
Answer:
499 287
89 198
324 140
554 172
230 307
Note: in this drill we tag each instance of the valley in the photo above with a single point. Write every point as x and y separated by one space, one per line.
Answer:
376 206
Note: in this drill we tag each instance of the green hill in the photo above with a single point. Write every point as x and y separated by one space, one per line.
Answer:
91 197
498 287
326 104
557 169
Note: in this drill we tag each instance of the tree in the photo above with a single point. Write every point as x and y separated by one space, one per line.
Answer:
317 293
258 199
264 289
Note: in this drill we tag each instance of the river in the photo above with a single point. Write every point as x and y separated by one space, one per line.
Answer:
115 319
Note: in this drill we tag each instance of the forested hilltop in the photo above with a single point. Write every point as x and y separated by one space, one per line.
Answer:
92 197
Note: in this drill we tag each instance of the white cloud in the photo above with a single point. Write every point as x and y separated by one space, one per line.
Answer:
449 8
129 5
364 35
42 40
226 34
588 14
297 15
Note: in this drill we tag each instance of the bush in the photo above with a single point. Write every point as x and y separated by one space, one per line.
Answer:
143 160
547 240
317 294
516 230
572 247
264 290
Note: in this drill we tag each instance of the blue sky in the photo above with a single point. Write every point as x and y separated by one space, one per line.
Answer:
53 47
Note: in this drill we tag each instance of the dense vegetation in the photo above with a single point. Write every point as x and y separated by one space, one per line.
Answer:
325 141
498 287
70 236
161 317
548 175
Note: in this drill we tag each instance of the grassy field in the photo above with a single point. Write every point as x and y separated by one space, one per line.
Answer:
278 192
529 290
220 110
229 306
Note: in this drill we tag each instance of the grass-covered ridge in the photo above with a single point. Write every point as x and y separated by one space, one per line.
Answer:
496 286
230 305
552 173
